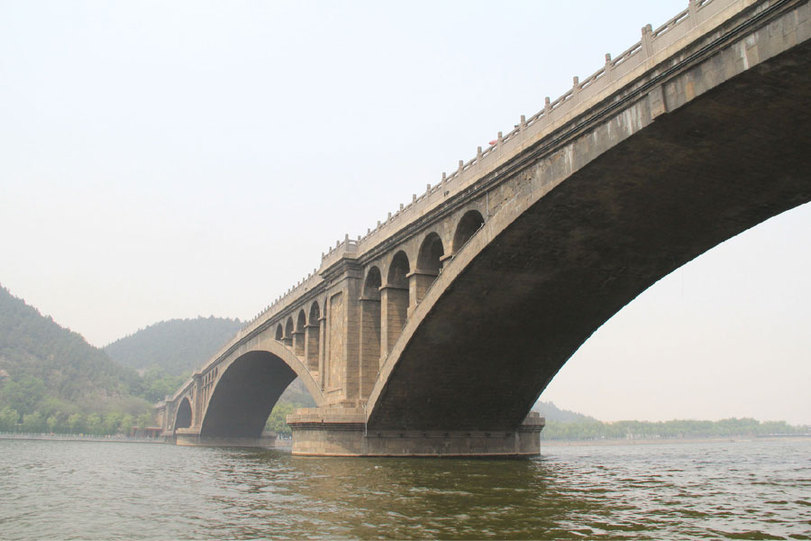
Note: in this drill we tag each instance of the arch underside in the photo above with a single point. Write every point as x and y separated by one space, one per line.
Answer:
497 335
245 395
183 417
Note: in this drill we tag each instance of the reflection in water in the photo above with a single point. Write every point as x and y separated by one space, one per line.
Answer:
674 491
404 498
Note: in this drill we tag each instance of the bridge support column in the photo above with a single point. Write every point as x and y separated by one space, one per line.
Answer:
369 344
418 283
393 315
298 342
343 432
311 346
322 347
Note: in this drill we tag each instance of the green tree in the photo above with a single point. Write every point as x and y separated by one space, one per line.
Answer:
112 422
76 423
22 394
277 420
8 419
94 424
145 420
34 422
127 422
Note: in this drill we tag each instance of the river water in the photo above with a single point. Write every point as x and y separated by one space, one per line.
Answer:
708 490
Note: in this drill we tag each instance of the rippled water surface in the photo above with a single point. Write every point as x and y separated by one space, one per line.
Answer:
85 490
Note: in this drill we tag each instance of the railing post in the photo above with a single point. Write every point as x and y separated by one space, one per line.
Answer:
647 46
692 12
609 67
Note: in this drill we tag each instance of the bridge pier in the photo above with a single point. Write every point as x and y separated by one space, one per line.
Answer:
334 432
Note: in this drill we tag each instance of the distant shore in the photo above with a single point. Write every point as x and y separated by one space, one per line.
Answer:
654 441
76 437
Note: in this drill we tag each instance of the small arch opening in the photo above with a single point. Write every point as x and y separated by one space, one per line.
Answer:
370 314
395 300
371 287
298 335
429 265
471 222
313 337
431 252
398 271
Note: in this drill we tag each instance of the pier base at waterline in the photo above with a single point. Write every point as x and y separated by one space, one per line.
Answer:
343 432
191 437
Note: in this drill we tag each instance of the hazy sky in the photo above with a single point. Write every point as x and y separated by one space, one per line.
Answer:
165 160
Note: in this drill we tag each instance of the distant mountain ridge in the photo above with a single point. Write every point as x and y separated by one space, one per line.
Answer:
176 346
556 415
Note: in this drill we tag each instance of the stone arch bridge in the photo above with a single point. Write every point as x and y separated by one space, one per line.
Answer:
435 333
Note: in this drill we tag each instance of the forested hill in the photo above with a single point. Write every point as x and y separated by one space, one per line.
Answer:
44 366
176 346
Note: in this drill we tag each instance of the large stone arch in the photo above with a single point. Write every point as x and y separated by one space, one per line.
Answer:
249 386
598 222
183 416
